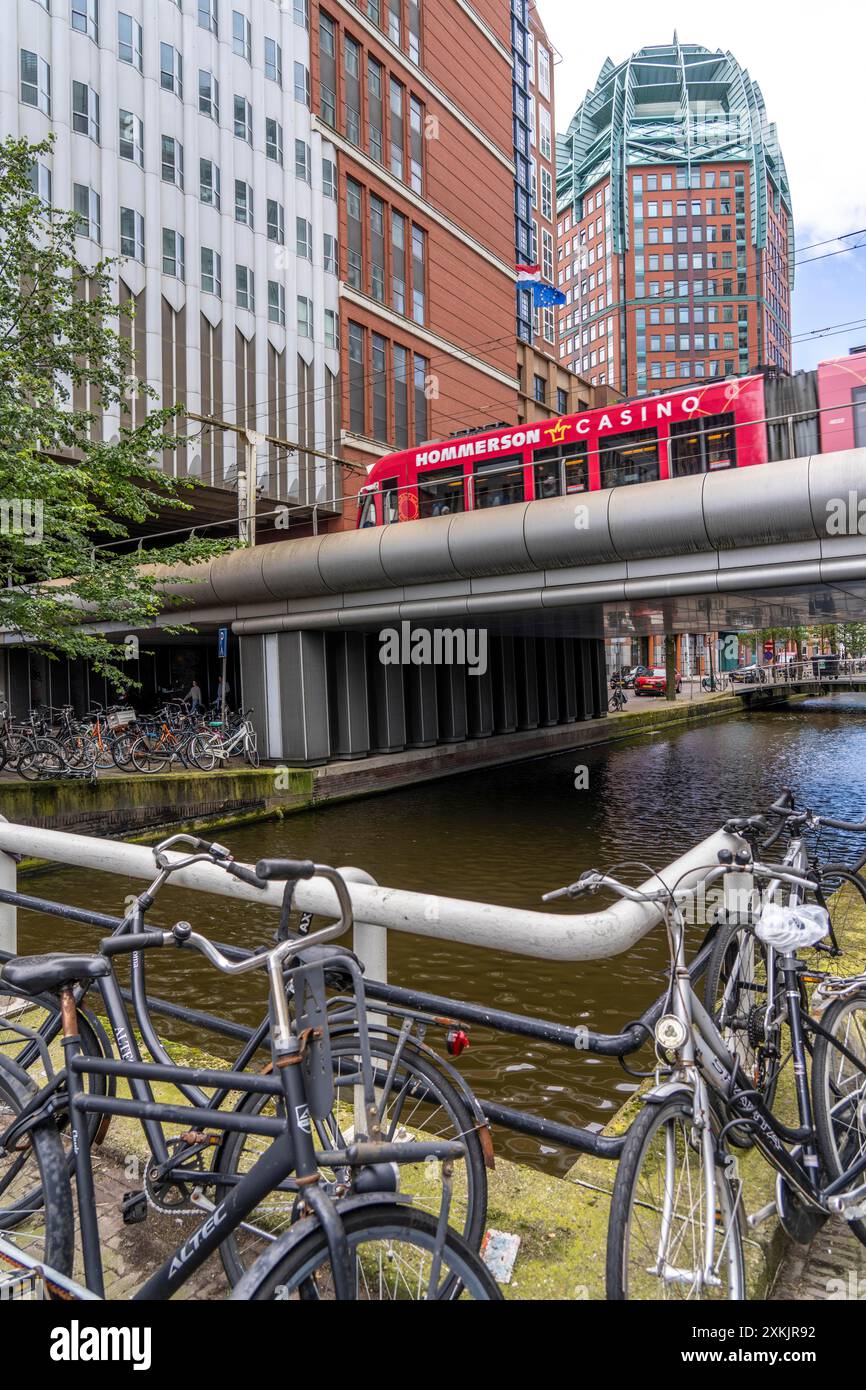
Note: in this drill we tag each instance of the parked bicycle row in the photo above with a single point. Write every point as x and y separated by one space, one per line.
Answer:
355 1165
56 743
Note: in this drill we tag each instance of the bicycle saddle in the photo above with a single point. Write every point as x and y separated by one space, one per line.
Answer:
34 974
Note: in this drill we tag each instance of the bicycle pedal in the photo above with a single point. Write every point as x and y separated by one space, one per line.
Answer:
133 1208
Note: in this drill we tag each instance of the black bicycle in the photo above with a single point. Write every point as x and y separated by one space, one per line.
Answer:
355 1236
418 1094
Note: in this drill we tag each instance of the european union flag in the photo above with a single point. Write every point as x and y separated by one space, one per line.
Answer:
545 296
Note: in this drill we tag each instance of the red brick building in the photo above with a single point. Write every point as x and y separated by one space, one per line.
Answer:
416 96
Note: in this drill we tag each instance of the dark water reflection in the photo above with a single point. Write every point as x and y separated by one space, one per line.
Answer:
507 836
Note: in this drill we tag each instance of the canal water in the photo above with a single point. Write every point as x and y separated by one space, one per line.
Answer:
507 836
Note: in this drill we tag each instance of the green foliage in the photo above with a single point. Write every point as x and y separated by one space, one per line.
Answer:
67 494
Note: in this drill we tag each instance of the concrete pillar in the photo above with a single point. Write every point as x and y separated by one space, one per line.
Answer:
386 701
451 690
421 706
347 694
303 697
504 693
526 673
255 686
548 685
583 671
479 702
567 681
599 678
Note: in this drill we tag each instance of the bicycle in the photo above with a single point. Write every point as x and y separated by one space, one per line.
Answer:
618 699
744 990
223 743
676 1208
417 1094
342 1246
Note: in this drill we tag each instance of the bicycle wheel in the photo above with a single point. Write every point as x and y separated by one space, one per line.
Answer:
145 758
746 1014
251 750
43 1226
660 1221
414 1101
42 758
391 1248
839 1091
202 751
121 750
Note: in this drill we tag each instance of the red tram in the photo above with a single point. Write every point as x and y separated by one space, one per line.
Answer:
735 423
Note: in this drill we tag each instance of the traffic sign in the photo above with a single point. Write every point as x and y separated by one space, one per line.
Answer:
223 642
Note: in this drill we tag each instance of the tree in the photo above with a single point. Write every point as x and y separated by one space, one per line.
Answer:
67 495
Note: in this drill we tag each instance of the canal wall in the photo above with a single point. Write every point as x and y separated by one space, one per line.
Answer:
139 806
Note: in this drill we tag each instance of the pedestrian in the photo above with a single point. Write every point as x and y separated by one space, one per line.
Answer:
194 697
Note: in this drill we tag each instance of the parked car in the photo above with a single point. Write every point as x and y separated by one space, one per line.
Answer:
655 682
748 675
627 676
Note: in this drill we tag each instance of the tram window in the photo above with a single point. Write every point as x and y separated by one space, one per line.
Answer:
630 458
367 510
390 510
858 401
561 470
440 494
497 484
703 446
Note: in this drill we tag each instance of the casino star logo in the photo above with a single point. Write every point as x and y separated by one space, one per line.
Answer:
556 434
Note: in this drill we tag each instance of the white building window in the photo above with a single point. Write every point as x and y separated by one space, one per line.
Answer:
332 329
84 16
546 255
274 140
329 178
208 95
88 209
35 81
303 161
207 16
273 62
544 71
302 13
172 161
211 272
276 303
302 84
245 288
242 36
305 316
331 255
209 183
85 110
546 193
173 254
129 42
131 137
171 70
544 132
243 119
276 219
132 234
41 181
244 203
304 238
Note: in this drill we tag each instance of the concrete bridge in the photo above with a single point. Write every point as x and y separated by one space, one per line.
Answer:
537 585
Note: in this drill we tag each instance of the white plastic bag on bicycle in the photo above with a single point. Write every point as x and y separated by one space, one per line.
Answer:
793 927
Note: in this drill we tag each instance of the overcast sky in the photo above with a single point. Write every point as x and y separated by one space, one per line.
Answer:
811 72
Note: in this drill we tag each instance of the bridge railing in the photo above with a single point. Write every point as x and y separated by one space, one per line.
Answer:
811 670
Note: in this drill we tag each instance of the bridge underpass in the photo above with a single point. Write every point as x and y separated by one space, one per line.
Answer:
544 583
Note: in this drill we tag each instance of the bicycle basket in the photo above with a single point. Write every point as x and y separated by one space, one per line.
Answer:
120 718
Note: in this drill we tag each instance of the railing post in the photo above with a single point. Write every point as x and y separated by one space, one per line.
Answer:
8 913
370 942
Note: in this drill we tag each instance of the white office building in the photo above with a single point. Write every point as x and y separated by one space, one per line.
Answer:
184 141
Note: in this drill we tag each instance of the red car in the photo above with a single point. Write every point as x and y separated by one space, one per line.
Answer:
655 682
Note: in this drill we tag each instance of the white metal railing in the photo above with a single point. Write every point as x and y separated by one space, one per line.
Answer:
525 932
